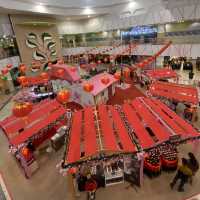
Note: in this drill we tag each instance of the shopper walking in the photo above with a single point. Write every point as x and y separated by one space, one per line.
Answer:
184 173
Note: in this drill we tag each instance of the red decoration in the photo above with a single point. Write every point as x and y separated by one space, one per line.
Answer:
63 96
4 71
25 151
88 87
22 109
146 62
73 69
22 68
60 72
72 170
9 66
105 80
44 76
117 75
126 72
99 61
22 79
141 65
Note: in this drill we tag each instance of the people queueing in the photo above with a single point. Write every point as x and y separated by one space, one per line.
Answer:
184 173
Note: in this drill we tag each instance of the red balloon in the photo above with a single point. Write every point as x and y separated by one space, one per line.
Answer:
105 80
4 71
22 109
117 75
44 76
9 66
88 87
63 96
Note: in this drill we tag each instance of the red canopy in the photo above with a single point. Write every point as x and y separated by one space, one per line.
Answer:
150 122
163 73
18 130
179 93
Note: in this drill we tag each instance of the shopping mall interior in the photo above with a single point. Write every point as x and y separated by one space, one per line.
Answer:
99 99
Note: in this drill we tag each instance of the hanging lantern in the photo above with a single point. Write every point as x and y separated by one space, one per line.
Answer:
126 72
22 68
44 76
88 87
99 61
21 80
73 69
146 62
9 66
63 96
141 65
60 72
4 71
22 109
117 75
25 152
105 80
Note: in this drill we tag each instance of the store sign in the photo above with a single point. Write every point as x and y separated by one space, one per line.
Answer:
140 31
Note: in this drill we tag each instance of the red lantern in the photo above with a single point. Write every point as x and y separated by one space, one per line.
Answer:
60 72
22 68
99 61
117 75
105 80
73 69
25 152
146 62
9 66
22 79
4 71
63 96
44 76
141 65
88 87
22 109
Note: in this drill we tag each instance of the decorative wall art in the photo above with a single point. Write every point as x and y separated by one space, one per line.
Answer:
43 46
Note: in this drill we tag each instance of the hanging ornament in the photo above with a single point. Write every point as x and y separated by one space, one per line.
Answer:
88 87
44 76
63 96
22 109
21 80
117 75
4 71
22 68
73 69
105 80
9 66
25 152
141 65
60 72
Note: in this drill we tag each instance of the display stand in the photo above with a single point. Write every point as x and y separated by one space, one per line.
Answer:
113 177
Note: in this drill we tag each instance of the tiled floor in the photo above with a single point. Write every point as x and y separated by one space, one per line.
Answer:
48 184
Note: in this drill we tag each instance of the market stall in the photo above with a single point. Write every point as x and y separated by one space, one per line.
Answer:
164 74
26 134
118 139
185 94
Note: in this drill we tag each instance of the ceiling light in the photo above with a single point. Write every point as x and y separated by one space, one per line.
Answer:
87 11
40 8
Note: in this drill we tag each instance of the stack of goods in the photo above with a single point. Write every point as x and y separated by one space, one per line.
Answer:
169 157
152 163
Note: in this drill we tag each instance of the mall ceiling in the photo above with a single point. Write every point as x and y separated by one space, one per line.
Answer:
80 9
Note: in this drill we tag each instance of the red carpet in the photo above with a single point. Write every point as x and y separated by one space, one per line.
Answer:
123 95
